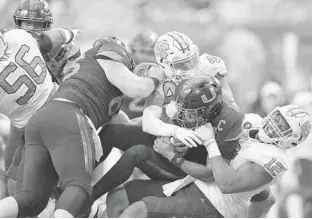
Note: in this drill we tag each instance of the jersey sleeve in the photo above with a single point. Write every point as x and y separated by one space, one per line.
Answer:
212 65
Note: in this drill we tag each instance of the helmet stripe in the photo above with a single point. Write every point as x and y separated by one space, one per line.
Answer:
176 41
185 42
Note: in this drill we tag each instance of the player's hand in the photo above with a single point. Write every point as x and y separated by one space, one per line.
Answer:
163 146
187 137
205 132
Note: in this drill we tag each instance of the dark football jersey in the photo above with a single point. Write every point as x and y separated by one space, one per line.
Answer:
228 130
89 88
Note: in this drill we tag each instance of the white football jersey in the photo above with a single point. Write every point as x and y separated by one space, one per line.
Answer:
25 83
270 157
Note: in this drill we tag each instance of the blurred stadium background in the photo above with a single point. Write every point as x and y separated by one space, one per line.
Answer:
266 44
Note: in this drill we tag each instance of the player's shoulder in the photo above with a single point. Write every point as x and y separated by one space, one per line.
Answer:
19 37
212 65
208 58
17 34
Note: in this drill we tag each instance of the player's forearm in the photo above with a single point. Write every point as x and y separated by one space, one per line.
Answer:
144 87
154 126
198 171
224 175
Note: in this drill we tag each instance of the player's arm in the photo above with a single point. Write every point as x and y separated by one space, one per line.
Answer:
242 180
261 204
151 120
54 38
229 180
128 83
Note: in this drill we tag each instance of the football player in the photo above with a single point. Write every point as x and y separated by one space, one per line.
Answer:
228 131
179 57
61 137
25 91
219 188
153 125
35 17
29 15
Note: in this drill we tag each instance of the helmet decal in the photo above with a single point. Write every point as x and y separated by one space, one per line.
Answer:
305 130
161 49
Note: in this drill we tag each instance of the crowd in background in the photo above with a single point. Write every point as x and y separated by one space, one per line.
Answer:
266 53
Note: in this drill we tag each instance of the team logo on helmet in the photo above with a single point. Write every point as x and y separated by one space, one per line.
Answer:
161 49
305 130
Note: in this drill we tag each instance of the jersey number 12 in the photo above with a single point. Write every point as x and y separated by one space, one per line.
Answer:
23 79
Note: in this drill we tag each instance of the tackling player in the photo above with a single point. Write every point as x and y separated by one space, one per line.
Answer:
25 83
260 163
30 15
179 57
35 17
83 103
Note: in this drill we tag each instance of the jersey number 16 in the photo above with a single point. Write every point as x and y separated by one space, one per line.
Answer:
23 79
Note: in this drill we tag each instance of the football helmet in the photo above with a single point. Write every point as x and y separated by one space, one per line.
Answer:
176 54
286 126
197 101
113 44
33 15
3 45
144 42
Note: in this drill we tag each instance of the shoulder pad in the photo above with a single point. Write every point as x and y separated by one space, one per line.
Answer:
116 53
212 65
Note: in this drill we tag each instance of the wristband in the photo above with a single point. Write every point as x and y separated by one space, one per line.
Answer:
177 160
213 150
156 82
